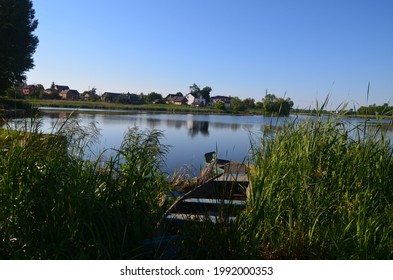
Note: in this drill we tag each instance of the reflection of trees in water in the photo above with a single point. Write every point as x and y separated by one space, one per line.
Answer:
57 119
195 127
152 123
71 113
61 115
175 123
231 126
235 126
192 126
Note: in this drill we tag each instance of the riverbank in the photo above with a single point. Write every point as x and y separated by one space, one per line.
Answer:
167 108
14 108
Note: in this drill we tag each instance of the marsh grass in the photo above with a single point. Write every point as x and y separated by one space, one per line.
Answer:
57 205
322 190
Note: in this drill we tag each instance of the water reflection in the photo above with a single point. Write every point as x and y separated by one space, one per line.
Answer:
175 123
195 127
194 124
190 136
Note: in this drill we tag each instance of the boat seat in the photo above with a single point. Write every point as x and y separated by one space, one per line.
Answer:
212 156
215 201
199 218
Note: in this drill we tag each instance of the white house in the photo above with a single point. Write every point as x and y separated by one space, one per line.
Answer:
195 99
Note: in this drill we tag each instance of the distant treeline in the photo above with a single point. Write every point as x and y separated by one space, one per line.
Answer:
383 110
371 110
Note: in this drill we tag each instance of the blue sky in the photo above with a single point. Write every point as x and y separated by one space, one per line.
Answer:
299 49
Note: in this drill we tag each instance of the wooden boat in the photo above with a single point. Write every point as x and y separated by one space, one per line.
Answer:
217 200
215 164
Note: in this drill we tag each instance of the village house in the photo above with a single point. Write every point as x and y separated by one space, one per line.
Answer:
169 98
60 88
29 89
56 88
221 99
89 95
69 94
175 99
195 99
180 100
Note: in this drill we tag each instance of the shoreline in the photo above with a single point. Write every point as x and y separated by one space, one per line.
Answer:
154 108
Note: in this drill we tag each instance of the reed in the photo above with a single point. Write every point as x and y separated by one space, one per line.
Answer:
322 189
57 205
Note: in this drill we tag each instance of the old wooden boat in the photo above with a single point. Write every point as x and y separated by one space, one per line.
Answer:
219 199
216 165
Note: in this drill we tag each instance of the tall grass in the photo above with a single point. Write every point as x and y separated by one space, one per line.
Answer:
54 204
322 190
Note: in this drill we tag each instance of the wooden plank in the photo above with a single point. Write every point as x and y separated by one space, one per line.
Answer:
198 218
215 201
233 177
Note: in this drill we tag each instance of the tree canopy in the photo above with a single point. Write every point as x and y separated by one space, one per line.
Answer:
154 97
276 105
382 110
237 105
17 41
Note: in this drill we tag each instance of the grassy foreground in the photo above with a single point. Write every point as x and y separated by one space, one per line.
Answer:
55 205
320 190
323 190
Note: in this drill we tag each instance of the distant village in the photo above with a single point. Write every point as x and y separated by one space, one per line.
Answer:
270 104
196 97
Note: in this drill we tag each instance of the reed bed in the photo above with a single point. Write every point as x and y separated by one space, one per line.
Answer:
54 204
322 189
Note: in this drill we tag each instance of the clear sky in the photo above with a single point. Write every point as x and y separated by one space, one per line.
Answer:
294 48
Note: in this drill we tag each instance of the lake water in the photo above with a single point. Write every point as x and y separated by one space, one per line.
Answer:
189 136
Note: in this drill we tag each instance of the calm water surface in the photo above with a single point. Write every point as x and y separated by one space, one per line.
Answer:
189 136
